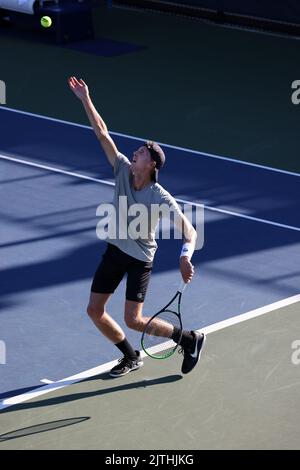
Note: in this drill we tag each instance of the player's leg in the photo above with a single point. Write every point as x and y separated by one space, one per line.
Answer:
135 320
103 321
138 277
131 359
191 342
139 273
107 278
133 315
110 328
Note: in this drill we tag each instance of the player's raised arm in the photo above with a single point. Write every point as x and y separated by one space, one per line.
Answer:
80 89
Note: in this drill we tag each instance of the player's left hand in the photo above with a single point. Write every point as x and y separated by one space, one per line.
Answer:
186 269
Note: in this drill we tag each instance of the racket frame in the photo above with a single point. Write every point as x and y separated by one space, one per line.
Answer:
178 294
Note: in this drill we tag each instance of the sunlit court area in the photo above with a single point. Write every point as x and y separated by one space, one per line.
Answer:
127 326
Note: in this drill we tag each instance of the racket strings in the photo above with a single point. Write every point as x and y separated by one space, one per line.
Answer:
159 328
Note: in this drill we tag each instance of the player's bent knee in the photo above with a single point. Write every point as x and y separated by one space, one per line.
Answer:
133 315
133 323
95 312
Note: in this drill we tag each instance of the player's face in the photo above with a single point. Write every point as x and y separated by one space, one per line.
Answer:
142 161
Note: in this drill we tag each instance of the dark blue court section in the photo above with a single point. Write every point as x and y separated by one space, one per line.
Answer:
104 47
49 249
223 184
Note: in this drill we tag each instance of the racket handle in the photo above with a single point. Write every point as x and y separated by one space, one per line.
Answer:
182 286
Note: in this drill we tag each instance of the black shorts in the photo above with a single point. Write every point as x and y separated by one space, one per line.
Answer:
115 263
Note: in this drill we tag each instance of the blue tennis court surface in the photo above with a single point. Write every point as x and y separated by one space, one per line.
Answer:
53 177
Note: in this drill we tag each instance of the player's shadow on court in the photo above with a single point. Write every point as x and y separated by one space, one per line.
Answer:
80 396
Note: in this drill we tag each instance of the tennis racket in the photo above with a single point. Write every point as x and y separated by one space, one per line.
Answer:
161 325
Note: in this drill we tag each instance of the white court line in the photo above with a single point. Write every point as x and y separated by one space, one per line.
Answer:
56 170
51 387
193 152
184 201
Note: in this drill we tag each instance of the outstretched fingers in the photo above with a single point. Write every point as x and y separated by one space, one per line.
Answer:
79 87
74 82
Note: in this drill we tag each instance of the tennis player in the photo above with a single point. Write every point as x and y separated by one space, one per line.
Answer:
137 180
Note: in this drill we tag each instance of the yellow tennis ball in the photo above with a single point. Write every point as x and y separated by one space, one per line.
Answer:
46 21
